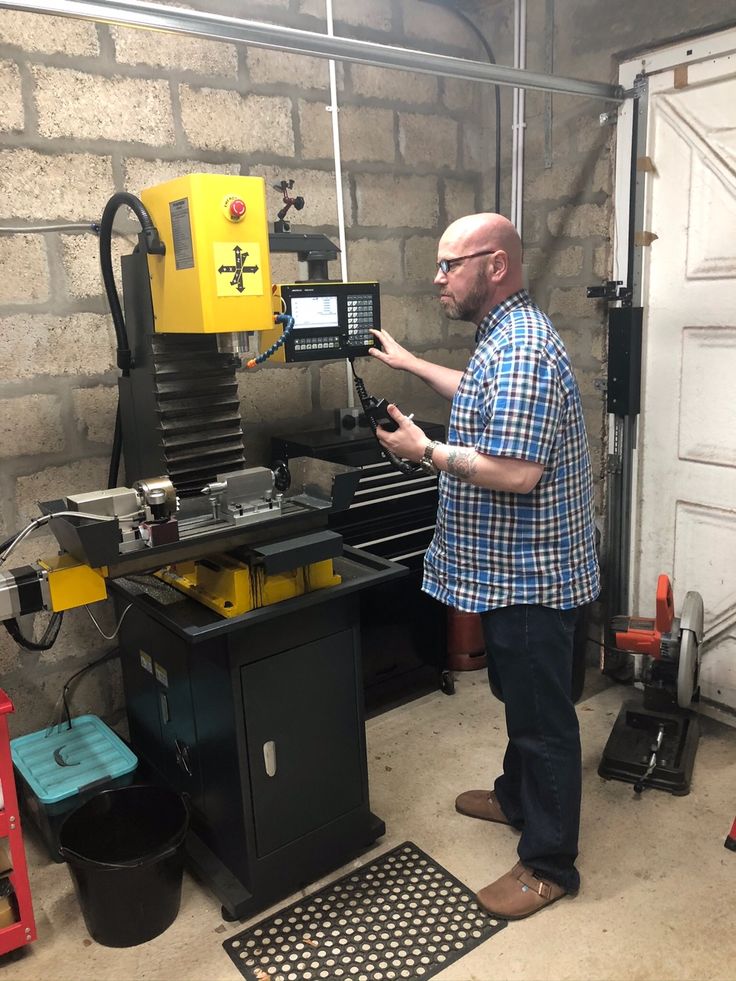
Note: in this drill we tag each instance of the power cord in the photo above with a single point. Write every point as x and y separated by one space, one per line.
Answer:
46 642
115 632
450 7
61 712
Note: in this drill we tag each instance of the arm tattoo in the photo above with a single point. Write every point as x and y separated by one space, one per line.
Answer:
462 463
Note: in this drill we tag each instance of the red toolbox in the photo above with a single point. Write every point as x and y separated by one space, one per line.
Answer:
17 926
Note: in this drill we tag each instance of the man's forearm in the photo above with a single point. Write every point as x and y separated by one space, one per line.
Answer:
493 472
442 380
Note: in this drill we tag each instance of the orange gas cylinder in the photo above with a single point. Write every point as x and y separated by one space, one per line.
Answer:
465 647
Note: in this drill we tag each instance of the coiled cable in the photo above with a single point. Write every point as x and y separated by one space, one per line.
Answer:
404 466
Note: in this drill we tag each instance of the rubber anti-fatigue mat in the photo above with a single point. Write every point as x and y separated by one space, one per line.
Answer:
400 916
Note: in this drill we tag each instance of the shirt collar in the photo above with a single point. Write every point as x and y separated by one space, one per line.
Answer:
497 313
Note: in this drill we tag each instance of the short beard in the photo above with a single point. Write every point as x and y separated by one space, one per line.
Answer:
469 308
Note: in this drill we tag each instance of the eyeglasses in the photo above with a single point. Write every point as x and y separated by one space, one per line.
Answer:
445 265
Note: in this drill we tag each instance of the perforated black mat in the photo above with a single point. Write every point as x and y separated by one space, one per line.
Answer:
400 916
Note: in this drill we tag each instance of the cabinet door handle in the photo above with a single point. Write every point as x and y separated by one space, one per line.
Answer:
269 757
182 756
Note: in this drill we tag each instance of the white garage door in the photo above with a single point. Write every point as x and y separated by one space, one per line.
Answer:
685 488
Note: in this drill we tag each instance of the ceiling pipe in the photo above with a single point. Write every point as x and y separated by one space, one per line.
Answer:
235 30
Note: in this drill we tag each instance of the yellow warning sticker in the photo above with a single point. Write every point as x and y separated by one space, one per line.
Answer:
238 268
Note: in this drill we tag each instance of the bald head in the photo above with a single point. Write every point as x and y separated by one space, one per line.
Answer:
486 231
495 273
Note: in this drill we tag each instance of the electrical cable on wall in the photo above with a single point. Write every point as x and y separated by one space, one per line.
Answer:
334 111
70 226
447 5
517 123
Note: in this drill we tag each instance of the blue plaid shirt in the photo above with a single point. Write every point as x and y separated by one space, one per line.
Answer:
517 398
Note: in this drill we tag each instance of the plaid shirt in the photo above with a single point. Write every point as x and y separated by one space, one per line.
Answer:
517 398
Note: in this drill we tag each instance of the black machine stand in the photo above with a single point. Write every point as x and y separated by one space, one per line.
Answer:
258 720
403 631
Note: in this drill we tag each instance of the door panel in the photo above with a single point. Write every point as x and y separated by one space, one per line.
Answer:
686 477
304 734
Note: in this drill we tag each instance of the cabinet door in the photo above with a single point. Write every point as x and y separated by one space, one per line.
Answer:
306 746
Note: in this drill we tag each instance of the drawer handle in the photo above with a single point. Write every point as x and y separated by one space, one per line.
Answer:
269 757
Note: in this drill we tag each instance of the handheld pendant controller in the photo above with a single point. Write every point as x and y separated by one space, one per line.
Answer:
377 410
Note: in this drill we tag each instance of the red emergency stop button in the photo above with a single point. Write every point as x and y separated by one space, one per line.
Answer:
237 209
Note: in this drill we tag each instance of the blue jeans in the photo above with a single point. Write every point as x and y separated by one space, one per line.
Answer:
529 651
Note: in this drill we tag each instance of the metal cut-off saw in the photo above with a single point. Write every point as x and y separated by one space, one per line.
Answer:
655 736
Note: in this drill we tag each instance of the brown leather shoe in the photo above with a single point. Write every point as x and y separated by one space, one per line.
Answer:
519 893
481 804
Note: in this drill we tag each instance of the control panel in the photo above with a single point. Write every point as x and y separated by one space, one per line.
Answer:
331 320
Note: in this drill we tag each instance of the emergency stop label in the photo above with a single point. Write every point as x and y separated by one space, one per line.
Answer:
238 269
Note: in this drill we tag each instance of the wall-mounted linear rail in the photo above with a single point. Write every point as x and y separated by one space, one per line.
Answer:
236 30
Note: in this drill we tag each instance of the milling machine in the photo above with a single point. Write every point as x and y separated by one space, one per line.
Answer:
237 608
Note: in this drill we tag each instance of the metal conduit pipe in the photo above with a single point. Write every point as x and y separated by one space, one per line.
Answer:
518 119
235 30
335 113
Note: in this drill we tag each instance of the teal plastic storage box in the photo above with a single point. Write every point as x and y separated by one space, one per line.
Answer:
58 772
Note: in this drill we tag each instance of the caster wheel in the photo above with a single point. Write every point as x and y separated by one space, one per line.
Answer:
447 684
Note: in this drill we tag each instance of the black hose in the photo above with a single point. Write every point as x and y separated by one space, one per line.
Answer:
153 245
45 643
492 59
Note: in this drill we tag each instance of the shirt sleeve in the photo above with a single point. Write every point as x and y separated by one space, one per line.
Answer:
522 403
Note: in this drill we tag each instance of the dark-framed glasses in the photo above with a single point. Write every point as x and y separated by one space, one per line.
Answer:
445 265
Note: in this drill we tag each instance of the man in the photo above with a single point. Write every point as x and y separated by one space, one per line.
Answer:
514 541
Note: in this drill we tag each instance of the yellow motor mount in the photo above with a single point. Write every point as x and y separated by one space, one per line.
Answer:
72 583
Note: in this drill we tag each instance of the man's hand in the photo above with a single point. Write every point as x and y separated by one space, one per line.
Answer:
393 354
443 380
408 441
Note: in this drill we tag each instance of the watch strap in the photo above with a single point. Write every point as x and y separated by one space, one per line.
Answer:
426 463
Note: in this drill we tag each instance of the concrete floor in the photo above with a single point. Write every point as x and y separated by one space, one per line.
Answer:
657 900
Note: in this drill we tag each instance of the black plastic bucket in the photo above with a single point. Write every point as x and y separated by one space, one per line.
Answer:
125 849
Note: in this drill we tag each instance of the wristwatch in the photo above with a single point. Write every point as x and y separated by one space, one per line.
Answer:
426 462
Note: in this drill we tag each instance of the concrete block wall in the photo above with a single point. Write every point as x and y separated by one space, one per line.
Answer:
88 109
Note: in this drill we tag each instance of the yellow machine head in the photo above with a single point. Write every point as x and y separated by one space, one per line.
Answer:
215 276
